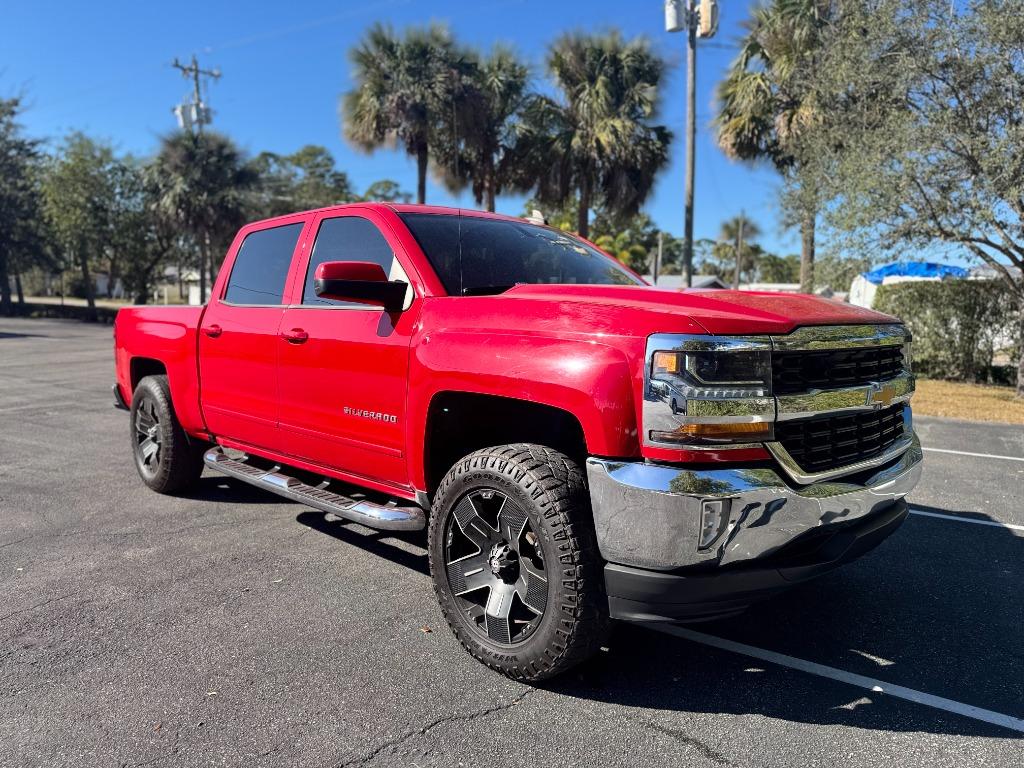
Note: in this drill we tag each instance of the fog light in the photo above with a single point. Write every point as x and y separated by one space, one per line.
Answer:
714 520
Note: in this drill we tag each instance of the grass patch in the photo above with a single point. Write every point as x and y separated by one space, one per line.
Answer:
974 402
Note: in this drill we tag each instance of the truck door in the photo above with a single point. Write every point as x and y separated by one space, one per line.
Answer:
238 341
343 365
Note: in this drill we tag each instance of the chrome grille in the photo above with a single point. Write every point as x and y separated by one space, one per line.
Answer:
802 371
828 442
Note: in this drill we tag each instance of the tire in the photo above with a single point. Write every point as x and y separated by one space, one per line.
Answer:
167 459
491 589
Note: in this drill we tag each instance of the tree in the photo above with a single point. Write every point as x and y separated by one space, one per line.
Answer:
765 107
20 201
301 181
724 249
596 142
779 269
633 242
205 185
923 141
388 191
406 91
143 232
484 152
79 192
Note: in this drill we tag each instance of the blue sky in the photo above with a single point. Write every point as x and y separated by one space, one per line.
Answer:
104 68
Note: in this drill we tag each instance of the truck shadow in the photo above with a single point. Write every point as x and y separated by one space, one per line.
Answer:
222 489
379 543
936 608
908 614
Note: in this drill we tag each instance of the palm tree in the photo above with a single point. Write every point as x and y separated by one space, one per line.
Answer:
483 151
406 90
763 111
724 250
204 184
597 142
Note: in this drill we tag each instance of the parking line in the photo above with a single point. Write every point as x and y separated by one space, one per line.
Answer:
961 519
860 681
979 455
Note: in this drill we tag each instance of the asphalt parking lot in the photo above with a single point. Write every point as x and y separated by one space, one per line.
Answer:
233 628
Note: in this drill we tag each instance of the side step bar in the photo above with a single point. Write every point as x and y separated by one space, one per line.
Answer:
381 516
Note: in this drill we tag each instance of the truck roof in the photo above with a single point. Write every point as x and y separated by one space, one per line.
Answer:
401 208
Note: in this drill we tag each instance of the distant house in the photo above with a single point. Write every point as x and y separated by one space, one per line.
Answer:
865 285
773 287
678 282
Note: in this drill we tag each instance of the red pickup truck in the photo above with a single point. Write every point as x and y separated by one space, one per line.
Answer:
580 446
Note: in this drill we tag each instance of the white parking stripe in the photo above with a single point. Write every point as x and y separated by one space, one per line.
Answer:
860 681
961 519
979 455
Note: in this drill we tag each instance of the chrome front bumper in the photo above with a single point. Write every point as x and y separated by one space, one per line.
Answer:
649 515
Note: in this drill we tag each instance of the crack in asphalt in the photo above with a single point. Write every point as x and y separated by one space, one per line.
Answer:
454 718
705 750
121 534
40 605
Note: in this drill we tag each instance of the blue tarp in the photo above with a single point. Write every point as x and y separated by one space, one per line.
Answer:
914 269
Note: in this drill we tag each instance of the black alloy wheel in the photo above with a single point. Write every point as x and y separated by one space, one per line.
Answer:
514 560
147 436
495 566
168 460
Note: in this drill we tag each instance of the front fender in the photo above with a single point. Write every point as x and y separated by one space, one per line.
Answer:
586 378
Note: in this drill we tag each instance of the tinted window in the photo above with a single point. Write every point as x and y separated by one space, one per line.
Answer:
475 255
261 267
348 238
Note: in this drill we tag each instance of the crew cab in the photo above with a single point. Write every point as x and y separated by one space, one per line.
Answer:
580 447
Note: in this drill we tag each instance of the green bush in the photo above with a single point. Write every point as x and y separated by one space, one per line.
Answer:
958 326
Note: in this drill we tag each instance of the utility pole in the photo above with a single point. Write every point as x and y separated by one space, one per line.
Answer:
739 250
691 138
197 114
657 258
697 19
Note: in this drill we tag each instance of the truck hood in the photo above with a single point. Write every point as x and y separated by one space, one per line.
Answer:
719 312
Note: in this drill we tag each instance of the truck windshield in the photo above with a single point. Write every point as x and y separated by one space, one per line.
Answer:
475 256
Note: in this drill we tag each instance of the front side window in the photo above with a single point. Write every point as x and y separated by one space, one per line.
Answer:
473 255
347 238
261 266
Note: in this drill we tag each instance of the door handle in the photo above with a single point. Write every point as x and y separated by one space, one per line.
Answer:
213 331
295 336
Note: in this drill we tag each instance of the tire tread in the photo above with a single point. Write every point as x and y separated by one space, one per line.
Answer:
558 487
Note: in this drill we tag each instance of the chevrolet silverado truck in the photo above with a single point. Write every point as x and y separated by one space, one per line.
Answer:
580 447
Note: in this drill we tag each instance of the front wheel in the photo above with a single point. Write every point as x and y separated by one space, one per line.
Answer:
514 561
168 460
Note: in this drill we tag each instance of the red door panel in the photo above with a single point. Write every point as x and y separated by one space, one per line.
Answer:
343 389
343 366
238 372
238 338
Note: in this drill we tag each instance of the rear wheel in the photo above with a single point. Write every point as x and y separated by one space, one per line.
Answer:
167 459
515 563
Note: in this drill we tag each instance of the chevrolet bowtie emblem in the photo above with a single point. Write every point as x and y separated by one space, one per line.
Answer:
881 396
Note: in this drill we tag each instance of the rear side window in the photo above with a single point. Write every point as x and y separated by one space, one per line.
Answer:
346 238
261 266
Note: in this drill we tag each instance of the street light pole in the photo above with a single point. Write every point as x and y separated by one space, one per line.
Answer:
691 133
699 18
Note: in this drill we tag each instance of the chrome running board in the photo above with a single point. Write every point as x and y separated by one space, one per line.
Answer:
385 517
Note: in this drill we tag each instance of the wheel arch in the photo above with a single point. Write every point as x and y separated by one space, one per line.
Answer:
459 423
140 367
